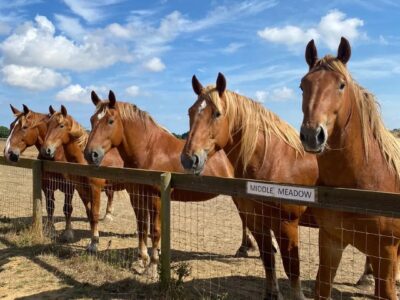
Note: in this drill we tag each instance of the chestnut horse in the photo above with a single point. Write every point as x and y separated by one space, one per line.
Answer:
65 133
146 145
29 129
261 146
342 124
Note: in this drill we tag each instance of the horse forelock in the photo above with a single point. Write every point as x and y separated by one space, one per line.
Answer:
250 117
77 131
370 116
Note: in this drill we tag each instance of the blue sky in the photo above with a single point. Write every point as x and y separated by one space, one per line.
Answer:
55 52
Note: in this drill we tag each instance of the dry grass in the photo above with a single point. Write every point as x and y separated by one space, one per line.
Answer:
204 238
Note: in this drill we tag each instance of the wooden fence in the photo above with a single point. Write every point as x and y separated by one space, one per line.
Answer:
351 200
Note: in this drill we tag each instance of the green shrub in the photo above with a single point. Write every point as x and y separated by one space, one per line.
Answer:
4 132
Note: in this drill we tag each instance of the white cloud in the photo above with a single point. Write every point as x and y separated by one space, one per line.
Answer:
276 95
119 31
133 91
289 35
328 31
154 65
376 67
33 78
232 47
37 45
151 40
91 11
4 28
77 93
70 26
383 41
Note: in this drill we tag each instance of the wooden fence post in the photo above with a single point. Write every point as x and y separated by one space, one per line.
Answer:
165 187
37 225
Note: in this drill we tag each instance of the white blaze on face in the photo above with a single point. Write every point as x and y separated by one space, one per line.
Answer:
101 114
7 148
202 106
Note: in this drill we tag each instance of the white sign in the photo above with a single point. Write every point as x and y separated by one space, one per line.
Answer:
281 191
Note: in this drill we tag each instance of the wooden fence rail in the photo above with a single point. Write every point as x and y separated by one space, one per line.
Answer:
350 200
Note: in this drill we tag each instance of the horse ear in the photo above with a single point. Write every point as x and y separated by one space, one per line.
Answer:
221 84
95 98
196 85
112 100
51 110
14 110
26 109
64 111
344 51
311 54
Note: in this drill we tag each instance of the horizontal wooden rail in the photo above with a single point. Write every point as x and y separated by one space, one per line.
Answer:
350 200
25 163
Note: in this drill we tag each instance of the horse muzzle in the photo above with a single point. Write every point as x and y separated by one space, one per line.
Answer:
94 157
194 163
12 155
48 152
313 138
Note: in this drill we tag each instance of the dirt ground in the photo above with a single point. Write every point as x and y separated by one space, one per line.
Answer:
205 237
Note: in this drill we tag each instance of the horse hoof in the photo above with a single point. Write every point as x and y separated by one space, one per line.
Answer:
108 218
92 248
151 272
50 231
366 281
273 296
242 252
299 297
139 266
67 236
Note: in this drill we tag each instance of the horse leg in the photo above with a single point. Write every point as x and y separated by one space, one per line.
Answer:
49 194
288 241
248 242
155 229
267 252
330 254
109 210
398 267
139 205
95 193
384 267
68 234
367 278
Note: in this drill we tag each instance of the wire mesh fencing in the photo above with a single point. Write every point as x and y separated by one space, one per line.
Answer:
205 238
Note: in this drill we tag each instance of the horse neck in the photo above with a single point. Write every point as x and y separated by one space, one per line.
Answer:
42 131
345 163
142 141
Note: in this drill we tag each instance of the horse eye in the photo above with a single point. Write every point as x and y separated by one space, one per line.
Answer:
24 127
61 125
301 87
216 114
342 86
110 122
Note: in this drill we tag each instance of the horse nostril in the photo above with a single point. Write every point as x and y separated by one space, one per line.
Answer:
195 160
95 154
321 135
302 137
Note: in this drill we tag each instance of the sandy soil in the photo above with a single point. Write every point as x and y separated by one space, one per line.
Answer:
204 235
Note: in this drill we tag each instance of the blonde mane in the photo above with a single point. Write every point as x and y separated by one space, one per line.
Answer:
250 117
77 131
370 116
130 112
